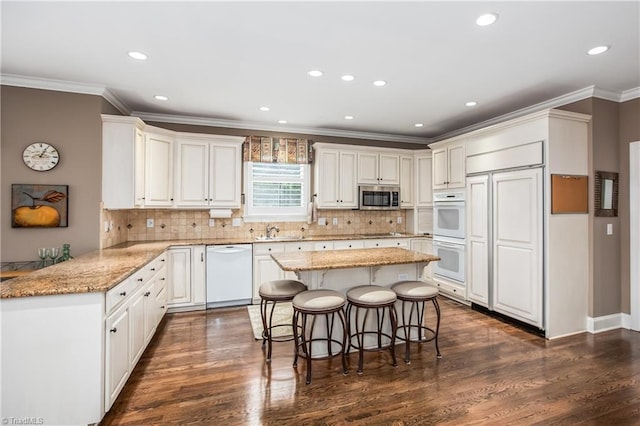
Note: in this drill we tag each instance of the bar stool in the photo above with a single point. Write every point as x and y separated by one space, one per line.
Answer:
416 293
314 303
271 293
368 297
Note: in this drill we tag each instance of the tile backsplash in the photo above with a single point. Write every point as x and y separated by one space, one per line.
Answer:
131 225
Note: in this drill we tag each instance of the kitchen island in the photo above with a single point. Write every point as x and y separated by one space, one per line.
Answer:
343 269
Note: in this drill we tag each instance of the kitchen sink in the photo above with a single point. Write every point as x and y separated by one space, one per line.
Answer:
279 238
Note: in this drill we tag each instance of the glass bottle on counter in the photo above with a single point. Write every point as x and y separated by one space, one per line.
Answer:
65 253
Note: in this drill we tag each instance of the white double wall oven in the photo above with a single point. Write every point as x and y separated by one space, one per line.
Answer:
449 235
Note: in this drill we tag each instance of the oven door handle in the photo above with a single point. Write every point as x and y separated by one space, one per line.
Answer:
451 245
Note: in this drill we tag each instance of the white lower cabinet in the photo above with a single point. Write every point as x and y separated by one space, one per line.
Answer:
136 308
186 284
117 352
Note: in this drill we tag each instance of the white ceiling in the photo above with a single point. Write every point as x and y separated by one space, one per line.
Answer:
221 61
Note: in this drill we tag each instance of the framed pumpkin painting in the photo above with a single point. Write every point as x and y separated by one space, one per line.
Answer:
39 206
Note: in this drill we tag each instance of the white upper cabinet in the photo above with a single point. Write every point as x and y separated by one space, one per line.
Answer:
424 186
208 171
335 178
122 162
449 166
146 166
407 192
158 170
378 168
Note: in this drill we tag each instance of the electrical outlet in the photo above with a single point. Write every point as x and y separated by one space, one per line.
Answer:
335 221
236 221
149 223
322 221
212 223
399 220
106 226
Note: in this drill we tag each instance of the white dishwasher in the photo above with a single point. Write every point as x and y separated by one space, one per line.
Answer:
229 275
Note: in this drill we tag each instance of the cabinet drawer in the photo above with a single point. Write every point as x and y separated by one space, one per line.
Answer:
267 248
446 287
348 244
298 247
323 245
119 293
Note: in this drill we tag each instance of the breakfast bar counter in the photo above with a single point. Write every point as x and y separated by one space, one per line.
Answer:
343 269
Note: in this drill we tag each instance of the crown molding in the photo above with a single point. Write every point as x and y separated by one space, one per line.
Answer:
233 124
64 86
578 95
630 94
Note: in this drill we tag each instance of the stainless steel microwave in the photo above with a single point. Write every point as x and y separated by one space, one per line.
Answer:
379 197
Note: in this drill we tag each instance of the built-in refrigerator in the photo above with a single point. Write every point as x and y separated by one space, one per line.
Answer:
505 243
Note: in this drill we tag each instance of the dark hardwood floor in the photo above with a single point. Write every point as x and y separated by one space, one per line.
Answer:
206 368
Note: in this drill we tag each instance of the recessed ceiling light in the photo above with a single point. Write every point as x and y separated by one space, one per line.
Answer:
138 55
315 73
264 108
348 117
486 19
598 50
418 125
282 121
379 83
347 77
161 98
471 104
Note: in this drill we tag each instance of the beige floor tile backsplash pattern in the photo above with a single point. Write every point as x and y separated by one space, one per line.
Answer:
131 225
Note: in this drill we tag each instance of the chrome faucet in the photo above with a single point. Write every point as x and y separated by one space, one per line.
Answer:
270 229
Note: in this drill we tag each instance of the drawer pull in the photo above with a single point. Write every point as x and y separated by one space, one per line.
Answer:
140 279
113 330
153 269
161 260
162 279
147 294
162 307
124 293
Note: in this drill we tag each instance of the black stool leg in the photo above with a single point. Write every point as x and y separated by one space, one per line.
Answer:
394 329
437 306
344 341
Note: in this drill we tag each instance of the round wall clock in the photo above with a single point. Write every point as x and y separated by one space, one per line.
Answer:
40 156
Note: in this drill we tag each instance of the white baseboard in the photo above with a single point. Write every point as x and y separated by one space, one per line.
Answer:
608 322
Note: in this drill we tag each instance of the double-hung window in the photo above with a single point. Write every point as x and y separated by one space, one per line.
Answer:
276 191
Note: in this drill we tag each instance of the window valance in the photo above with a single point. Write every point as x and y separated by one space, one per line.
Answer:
264 149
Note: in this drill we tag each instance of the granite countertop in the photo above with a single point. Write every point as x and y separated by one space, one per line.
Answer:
337 259
101 270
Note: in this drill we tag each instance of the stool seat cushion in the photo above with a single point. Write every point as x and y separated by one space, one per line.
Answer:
414 290
371 295
281 289
318 300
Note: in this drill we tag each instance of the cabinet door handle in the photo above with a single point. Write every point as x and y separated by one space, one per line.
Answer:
161 260
113 330
153 269
162 279
124 293
140 279
201 257
162 307
147 294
